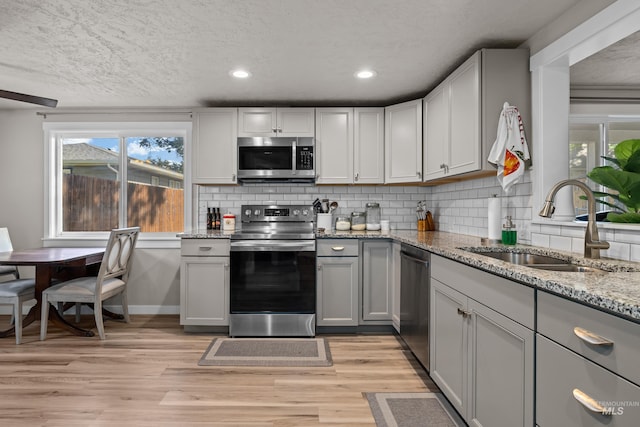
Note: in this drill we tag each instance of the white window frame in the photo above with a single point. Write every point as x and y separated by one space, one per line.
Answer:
53 234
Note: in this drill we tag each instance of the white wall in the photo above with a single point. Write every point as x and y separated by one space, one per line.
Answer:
154 283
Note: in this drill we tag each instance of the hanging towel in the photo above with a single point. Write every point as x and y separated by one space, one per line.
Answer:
509 151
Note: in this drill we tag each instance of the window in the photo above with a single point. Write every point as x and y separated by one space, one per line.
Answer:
105 176
590 138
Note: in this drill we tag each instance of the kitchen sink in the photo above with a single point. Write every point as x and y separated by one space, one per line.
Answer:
532 260
568 268
522 258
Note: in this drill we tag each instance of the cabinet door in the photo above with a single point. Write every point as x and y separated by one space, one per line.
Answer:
337 292
334 145
501 384
403 142
204 291
464 118
368 149
395 304
295 122
214 154
257 122
449 344
377 281
436 132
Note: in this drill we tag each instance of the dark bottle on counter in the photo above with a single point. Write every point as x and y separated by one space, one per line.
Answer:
209 219
217 216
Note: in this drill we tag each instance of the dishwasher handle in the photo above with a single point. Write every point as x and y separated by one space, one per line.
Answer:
414 259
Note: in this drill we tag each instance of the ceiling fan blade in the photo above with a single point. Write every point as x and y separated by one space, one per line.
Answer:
47 102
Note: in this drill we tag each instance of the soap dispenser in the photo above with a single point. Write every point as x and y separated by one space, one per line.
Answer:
509 233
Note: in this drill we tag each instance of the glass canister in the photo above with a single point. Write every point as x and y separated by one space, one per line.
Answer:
343 223
373 216
358 221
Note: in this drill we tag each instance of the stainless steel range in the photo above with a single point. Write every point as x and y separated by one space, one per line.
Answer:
273 275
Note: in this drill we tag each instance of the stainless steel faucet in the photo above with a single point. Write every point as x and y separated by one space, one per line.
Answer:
592 243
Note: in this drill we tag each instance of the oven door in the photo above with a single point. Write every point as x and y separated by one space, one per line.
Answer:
273 276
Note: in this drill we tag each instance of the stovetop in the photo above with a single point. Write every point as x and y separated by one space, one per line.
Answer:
276 222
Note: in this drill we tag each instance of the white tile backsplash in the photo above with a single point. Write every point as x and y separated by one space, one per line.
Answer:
459 207
397 204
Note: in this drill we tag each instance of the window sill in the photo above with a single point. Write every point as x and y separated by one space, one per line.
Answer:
165 241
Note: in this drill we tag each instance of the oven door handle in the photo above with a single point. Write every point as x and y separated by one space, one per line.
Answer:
273 245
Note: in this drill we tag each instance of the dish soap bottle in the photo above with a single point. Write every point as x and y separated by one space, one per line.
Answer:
509 233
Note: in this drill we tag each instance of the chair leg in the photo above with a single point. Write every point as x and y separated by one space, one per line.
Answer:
97 312
78 310
125 306
17 315
44 317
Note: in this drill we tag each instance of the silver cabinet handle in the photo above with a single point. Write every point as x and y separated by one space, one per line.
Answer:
205 248
419 175
464 313
590 337
274 130
356 177
337 248
233 177
589 402
319 267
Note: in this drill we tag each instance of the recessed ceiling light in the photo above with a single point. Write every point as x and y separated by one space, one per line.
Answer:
240 74
365 74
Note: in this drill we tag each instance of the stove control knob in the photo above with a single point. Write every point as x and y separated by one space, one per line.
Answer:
256 212
305 212
247 212
296 212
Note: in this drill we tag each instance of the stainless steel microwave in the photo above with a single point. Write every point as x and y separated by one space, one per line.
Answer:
262 159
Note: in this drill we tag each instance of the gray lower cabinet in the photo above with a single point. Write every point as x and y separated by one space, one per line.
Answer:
377 281
586 366
204 282
337 282
482 359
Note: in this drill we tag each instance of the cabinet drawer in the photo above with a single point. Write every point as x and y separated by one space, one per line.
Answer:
512 299
205 247
337 247
558 318
560 371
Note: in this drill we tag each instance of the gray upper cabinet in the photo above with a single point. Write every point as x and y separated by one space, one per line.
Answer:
461 114
368 148
403 142
334 145
214 152
276 122
350 145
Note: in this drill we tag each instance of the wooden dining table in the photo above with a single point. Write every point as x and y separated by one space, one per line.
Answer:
53 264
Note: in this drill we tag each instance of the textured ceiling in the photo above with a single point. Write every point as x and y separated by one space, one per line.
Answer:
615 66
178 53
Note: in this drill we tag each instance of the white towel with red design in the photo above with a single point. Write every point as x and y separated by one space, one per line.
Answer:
509 151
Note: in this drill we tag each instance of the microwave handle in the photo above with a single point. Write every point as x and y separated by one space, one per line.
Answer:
294 146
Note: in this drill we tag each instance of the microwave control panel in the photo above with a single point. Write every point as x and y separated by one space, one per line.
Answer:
304 159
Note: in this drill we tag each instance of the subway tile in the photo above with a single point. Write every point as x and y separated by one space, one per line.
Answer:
561 243
538 239
618 251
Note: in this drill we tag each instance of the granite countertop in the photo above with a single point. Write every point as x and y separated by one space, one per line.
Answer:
616 290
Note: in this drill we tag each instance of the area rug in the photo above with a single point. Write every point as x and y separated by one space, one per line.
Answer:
267 352
412 410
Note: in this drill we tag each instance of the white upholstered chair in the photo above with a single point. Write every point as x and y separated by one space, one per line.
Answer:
17 291
110 281
6 246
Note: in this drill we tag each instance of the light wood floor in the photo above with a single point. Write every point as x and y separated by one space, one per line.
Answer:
146 374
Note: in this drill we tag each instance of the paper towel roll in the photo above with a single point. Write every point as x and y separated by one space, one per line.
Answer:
494 218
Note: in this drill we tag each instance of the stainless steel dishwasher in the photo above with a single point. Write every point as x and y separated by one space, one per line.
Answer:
414 301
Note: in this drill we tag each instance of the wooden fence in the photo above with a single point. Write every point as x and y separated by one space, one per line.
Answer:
91 204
